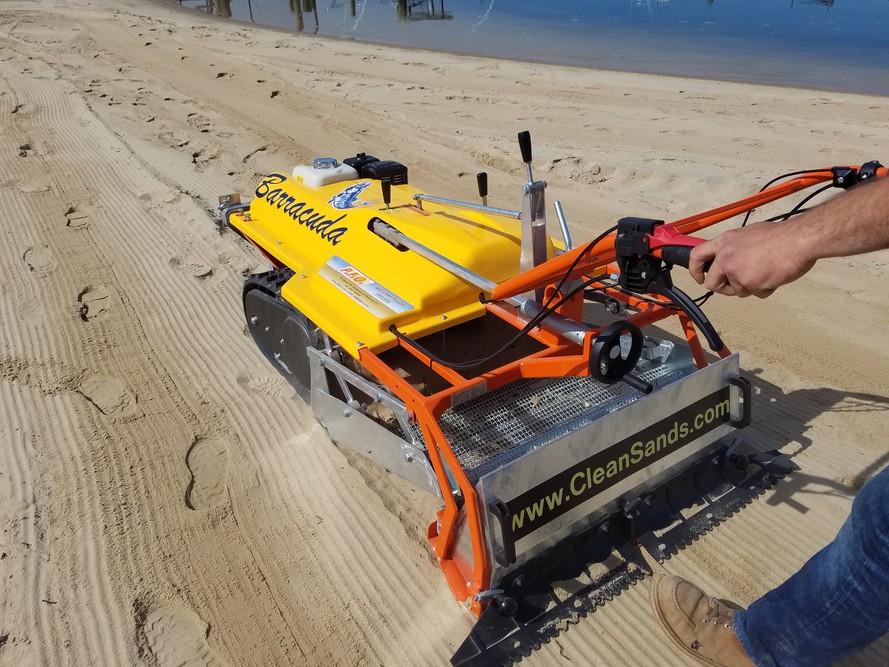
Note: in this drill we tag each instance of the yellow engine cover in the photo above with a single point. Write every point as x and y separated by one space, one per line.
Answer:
354 284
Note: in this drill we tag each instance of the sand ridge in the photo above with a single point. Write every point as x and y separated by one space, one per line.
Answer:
166 499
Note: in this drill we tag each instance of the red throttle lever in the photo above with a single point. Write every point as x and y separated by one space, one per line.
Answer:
671 246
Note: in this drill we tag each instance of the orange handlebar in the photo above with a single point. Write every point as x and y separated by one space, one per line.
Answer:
587 259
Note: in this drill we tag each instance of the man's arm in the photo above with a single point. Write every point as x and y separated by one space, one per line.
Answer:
759 258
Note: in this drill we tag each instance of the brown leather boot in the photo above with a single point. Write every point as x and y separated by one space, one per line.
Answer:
698 624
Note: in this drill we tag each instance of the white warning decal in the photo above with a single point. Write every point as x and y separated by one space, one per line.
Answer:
368 293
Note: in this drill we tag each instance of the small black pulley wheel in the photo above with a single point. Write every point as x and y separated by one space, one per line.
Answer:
607 363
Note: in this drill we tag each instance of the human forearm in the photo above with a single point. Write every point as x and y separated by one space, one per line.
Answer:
853 223
759 258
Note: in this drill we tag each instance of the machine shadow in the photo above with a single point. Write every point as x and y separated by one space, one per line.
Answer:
781 418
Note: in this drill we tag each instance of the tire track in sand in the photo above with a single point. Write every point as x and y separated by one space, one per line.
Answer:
86 611
26 549
138 245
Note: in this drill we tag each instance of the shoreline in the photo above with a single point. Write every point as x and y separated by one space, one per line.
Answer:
877 79
167 499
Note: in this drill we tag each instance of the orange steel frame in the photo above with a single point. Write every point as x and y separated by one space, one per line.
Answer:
559 358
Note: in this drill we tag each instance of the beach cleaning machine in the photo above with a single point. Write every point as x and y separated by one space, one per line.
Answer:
520 379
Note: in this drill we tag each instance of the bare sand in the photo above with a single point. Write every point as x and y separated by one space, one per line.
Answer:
166 499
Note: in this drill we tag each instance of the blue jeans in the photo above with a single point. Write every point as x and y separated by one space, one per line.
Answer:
837 603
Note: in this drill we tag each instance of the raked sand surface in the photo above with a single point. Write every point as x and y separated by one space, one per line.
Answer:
166 499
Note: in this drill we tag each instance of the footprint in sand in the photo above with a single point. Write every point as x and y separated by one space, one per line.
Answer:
254 152
110 396
268 386
32 187
77 217
38 259
207 460
93 303
195 267
199 122
201 157
174 138
176 636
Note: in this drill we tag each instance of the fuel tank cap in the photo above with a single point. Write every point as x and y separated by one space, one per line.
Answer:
325 163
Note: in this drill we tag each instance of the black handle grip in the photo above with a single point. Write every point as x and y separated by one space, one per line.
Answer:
638 383
482 179
525 145
680 255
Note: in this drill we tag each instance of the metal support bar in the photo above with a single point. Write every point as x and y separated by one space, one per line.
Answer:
557 324
420 198
563 224
533 226
389 233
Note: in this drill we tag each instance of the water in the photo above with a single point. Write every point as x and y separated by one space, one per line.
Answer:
830 44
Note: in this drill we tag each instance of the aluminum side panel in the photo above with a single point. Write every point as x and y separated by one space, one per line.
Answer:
350 428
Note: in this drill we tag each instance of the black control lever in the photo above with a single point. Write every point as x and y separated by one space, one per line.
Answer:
482 180
525 146
386 186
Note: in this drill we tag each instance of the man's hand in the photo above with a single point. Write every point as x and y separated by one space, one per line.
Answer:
756 259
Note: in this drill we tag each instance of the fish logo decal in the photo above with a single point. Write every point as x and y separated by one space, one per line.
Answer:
348 198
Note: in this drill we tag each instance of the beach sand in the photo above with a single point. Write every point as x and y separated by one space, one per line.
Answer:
165 497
